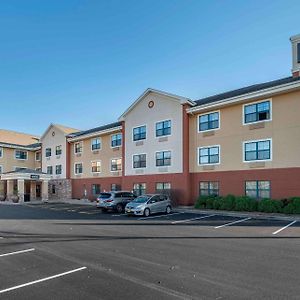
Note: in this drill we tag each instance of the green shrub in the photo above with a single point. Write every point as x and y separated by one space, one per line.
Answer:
293 206
201 202
217 202
270 206
228 202
244 203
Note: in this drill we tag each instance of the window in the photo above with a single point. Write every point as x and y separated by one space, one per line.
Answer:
78 168
96 189
209 155
116 164
38 169
96 166
115 187
298 53
1 169
258 189
163 128
139 161
48 152
1 152
139 133
116 140
260 150
37 156
139 189
96 144
53 189
58 150
209 121
209 188
163 187
19 154
19 168
78 147
257 112
163 158
50 170
58 169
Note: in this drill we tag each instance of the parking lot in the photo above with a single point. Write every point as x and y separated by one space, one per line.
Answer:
64 251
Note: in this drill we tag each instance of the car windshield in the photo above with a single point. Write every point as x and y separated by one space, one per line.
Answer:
105 195
141 199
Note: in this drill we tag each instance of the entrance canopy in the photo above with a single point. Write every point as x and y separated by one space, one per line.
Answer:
24 185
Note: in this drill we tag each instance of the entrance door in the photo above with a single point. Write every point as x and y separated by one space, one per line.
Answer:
38 190
27 191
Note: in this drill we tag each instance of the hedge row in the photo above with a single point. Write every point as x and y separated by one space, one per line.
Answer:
244 203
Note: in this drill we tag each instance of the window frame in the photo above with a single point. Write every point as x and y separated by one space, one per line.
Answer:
298 52
257 190
163 159
139 154
139 139
96 161
164 128
1 169
209 113
78 163
92 189
51 170
59 147
56 168
256 103
257 141
1 152
35 155
100 143
111 140
24 151
117 170
208 147
81 147
209 189
46 152
139 189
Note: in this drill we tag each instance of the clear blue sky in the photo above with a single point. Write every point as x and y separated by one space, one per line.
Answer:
82 63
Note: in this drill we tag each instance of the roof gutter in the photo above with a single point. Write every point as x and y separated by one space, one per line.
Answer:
249 96
12 146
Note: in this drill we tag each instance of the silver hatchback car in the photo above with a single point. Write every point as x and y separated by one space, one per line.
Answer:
149 204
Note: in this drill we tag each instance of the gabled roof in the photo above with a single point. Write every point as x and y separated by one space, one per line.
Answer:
64 129
246 90
95 130
181 99
18 138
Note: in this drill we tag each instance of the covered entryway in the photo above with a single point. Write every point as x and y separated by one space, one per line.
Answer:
24 185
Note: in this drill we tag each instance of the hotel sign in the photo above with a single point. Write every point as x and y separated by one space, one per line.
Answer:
36 177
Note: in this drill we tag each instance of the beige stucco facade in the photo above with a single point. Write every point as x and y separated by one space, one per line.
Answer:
104 155
283 129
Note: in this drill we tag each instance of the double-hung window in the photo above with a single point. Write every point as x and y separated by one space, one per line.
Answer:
1 169
58 169
116 164
1 152
96 144
116 140
209 121
78 147
209 155
78 168
163 128
58 150
139 133
22 155
163 187
257 150
139 161
96 166
96 189
209 188
37 156
163 158
139 189
50 170
298 53
48 152
258 189
257 112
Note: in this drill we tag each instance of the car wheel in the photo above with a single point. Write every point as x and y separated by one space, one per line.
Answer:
168 209
119 208
147 212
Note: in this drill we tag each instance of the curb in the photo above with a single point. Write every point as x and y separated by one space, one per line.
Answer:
263 216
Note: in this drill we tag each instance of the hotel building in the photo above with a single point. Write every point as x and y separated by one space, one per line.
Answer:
242 142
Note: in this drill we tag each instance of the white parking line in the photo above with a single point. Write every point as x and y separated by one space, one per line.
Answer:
160 216
231 223
193 219
288 225
17 252
40 280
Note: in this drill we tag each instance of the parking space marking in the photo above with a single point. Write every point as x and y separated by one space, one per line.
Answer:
193 219
288 225
232 223
152 217
41 280
17 252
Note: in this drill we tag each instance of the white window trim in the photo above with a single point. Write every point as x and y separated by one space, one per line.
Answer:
255 141
112 147
95 138
163 151
61 170
77 163
61 148
143 168
1 152
36 154
164 120
92 166
21 158
209 146
121 164
208 113
132 137
47 170
81 148
255 102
